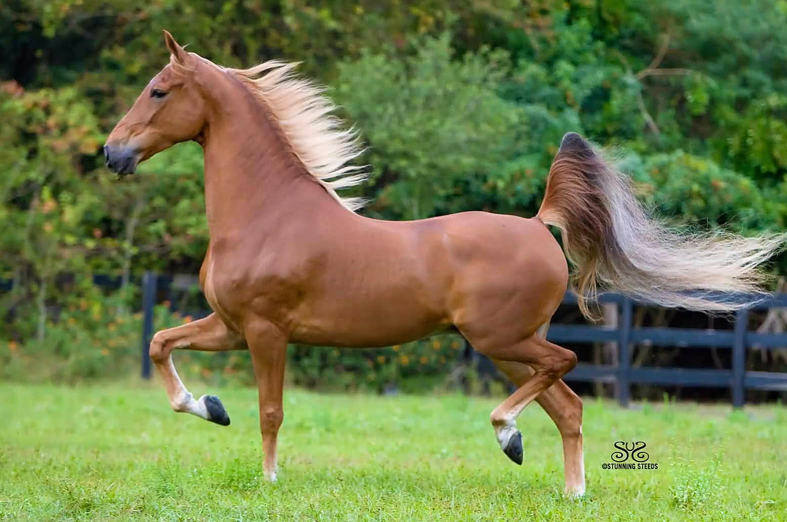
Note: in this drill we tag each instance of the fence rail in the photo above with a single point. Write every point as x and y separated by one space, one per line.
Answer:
622 375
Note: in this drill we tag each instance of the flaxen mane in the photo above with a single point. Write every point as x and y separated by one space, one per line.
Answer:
317 138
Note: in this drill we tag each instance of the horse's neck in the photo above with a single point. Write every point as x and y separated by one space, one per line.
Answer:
252 179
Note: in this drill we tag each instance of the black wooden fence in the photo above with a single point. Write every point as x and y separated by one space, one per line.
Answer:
622 375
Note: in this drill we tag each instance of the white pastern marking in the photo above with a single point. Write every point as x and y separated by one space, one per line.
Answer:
199 408
505 432
578 491
185 403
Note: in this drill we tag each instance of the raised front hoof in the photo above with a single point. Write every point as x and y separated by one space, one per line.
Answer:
514 449
216 411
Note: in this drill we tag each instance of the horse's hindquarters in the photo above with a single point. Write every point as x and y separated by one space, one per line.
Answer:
510 277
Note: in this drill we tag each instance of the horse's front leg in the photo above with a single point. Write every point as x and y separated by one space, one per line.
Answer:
268 346
209 334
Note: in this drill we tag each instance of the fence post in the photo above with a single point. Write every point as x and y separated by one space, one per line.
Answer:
739 357
149 284
624 357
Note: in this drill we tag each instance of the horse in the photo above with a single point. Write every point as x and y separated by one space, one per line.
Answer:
290 261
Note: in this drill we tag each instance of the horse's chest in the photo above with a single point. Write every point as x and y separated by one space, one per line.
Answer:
218 295
262 288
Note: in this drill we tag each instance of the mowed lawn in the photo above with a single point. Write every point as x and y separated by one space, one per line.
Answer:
119 453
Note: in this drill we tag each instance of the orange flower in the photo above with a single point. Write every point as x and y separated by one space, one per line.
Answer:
424 359
13 346
104 352
436 345
48 206
404 360
455 345
187 319
381 359
396 347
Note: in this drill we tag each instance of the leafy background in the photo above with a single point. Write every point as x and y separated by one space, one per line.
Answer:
462 105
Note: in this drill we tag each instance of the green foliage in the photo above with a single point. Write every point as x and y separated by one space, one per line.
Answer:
462 106
431 121
85 341
375 370
695 190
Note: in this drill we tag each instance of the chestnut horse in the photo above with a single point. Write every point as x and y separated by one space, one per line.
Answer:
290 261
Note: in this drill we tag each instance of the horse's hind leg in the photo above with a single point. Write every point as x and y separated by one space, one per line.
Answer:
208 334
549 363
565 408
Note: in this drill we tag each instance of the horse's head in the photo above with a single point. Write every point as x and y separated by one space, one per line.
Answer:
169 110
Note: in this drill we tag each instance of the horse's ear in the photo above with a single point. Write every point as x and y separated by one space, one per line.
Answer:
174 47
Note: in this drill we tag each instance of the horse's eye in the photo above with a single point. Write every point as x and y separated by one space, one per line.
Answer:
157 93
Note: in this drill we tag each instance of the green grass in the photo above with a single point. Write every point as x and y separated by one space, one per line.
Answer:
115 453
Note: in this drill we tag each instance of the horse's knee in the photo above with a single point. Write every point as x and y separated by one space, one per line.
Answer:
158 352
271 418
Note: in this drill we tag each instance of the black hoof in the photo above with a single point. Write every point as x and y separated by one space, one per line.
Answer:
216 411
514 448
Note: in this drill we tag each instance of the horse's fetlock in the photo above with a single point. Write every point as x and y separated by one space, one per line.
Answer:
500 419
181 403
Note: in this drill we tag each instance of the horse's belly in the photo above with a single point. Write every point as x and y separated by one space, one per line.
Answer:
361 323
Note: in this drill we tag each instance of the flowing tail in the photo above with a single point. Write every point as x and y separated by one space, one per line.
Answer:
614 244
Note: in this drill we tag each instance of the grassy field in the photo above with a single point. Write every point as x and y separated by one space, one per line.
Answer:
115 453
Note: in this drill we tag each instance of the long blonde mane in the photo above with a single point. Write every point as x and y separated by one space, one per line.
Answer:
317 138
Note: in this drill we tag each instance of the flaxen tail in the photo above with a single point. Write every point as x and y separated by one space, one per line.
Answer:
615 245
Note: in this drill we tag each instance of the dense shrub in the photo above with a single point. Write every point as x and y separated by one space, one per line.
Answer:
462 105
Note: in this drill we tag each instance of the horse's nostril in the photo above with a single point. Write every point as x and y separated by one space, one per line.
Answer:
106 155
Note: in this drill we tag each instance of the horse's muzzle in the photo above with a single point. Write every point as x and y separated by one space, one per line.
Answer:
121 159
